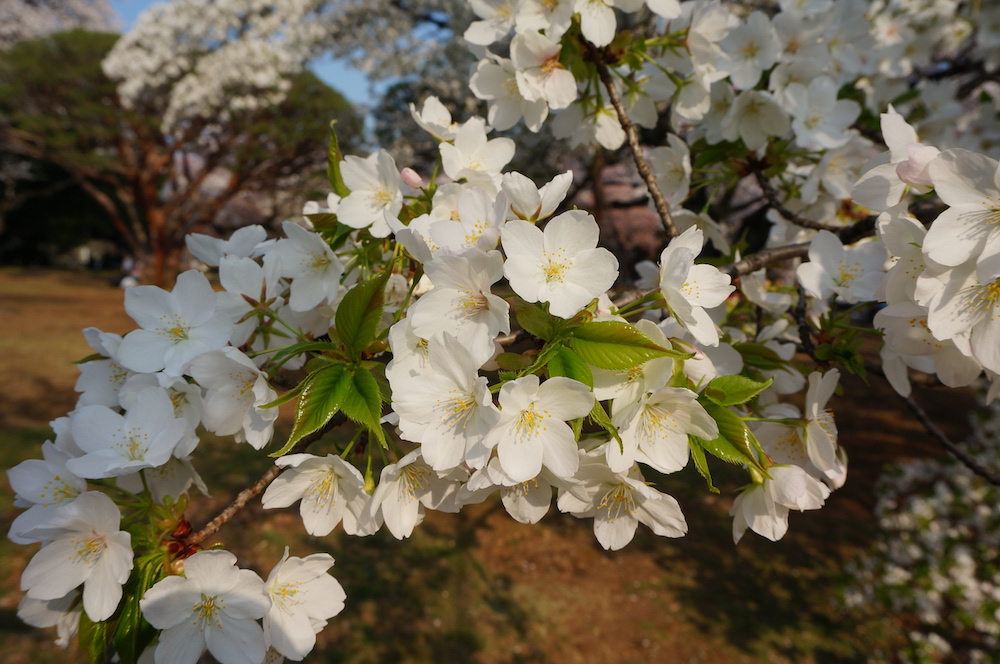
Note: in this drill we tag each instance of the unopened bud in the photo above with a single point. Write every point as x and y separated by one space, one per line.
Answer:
411 178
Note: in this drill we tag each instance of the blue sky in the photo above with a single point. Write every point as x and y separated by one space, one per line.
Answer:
348 81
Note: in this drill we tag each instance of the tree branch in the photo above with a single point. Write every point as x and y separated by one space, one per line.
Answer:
632 135
954 449
771 194
257 487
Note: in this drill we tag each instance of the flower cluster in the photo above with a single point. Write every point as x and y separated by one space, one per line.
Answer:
463 322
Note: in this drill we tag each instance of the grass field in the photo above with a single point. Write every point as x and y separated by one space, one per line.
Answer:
479 587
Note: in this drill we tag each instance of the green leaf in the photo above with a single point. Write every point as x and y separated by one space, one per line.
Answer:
601 418
323 221
701 462
93 357
567 363
359 314
513 361
286 397
736 443
734 390
94 639
363 403
323 392
616 346
133 633
760 356
333 159
535 320
303 347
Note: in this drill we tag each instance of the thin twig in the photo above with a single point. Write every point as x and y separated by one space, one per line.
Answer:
257 487
765 257
632 135
955 450
805 331
773 201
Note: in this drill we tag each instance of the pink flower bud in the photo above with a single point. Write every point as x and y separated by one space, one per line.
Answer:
411 177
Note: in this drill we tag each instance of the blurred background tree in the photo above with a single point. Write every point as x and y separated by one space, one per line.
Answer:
63 114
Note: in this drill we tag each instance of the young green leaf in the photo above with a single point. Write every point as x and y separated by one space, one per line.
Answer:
321 396
734 390
359 314
760 356
736 443
701 462
600 417
333 159
94 639
133 633
363 403
616 346
567 363
303 347
322 222
535 320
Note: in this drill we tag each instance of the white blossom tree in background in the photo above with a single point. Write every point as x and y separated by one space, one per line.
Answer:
456 333
27 19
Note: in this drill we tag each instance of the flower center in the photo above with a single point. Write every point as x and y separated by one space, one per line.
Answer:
208 610
89 548
617 502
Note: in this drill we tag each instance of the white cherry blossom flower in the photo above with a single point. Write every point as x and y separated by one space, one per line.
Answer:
302 595
235 390
461 302
86 547
763 508
597 18
496 20
495 81
531 203
754 116
435 118
885 179
540 76
655 430
852 273
331 491
100 380
688 288
821 430
375 195
214 605
619 502
243 243
144 437
176 326
672 168
474 157
311 265
43 486
62 613
449 408
819 119
562 265
405 489
749 50
532 430
969 183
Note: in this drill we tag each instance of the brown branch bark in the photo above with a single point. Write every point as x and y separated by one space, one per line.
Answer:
966 459
632 136
245 496
773 200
